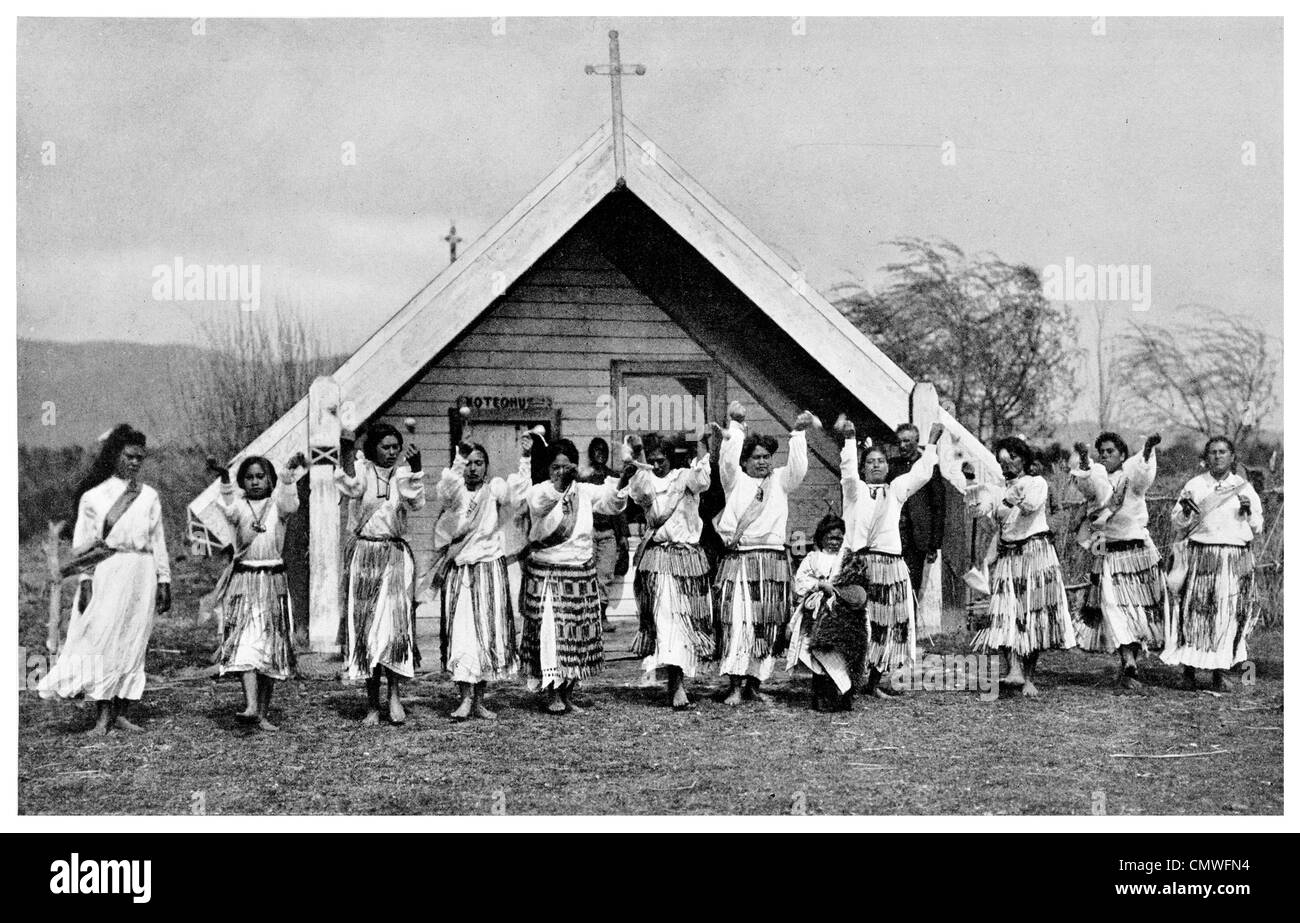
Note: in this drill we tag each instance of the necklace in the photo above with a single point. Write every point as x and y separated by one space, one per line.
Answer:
258 517
383 482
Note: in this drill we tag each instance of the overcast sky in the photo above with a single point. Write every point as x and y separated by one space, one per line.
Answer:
226 147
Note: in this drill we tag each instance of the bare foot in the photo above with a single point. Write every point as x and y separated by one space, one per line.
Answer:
879 693
463 711
733 698
371 719
1029 690
1129 682
266 725
396 713
681 701
554 706
1014 678
1220 682
122 724
246 716
891 691
482 711
99 730
572 709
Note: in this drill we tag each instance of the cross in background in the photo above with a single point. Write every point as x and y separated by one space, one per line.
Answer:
616 70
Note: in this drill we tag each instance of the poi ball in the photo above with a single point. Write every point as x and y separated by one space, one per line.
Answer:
409 423
464 410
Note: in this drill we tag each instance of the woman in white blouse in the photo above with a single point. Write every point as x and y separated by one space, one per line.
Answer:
256 611
119 522
1028 609
1124 608
381 567
561 642
470 563
1219 514
672 572
752 589
873 562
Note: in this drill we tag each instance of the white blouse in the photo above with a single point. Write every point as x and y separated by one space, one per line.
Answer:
139 529
546 505
267 546
401 490
817 566
768 528
1121 496
862 500
1027 514
679 491
459 506
1223 525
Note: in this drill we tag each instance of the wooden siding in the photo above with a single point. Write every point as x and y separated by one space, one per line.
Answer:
555 333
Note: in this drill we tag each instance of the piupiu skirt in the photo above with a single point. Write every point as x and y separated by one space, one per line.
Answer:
752 597
258 623
561 639
480 622
675 606
1125 600
1028 609
381 609
1216 611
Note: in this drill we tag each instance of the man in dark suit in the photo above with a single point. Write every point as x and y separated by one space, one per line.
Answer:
924 513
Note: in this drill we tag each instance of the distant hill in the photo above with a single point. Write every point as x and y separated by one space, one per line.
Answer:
95 385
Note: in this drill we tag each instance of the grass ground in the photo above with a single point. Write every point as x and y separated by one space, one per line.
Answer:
926 753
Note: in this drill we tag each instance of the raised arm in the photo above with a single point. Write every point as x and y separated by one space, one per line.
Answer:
286 494
352 483
228 502
541 499
1031 497
849 479
983 499
795 468
916 477
410 487
640 490
451 488
610 498
227 498
733 440
1141 468
1093 484
517 484
698 477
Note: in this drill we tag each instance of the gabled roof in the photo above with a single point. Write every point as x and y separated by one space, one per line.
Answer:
455 298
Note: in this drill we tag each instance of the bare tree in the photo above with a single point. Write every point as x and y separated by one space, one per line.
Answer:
1106 366
999 352
255 367
1212 375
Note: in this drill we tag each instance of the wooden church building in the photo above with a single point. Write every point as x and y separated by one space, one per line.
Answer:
617 296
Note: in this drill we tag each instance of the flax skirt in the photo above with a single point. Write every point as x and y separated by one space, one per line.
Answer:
1216 611
561 639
